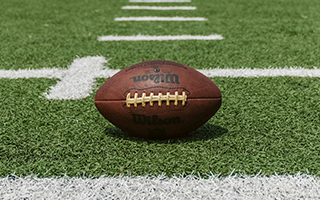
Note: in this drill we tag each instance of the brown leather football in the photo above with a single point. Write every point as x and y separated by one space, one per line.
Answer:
158 99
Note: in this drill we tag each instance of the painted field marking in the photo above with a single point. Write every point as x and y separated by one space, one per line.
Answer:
78 81
159 38
150 18
159 1
159 8
256 72
238 186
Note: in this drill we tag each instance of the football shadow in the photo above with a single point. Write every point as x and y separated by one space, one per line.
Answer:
206 132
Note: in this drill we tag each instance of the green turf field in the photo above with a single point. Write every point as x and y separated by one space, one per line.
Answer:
267 124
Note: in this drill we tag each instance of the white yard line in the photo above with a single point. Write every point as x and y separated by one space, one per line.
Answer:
159 8
33 73
150 18
159 38
266 72
78 80
299 186
160 1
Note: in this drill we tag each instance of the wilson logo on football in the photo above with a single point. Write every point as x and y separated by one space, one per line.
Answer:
156 98
154 120
158 78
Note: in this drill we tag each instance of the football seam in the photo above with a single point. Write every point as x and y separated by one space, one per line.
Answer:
193 98
157 87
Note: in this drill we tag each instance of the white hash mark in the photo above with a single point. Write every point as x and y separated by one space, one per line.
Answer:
159 8
159 1
159 38
150 18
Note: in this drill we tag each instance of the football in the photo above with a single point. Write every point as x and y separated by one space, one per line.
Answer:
158 99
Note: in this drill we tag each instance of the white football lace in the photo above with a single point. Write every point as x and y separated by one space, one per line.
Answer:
156 98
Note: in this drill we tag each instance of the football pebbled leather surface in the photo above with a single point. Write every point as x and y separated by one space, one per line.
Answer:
151 120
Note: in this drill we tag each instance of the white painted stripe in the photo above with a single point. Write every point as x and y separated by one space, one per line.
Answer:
159 8
239 186
150 18
159 38
78 80
87 67
33 73
159 1
269 72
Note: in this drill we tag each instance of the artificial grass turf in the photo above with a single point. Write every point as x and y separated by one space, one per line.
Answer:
39 33
267 124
